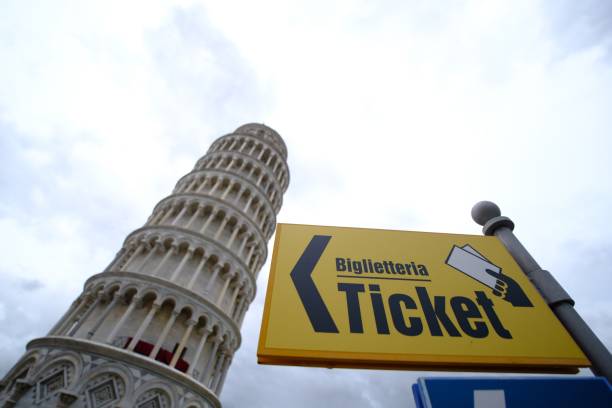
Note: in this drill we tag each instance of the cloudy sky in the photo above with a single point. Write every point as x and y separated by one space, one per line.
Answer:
396 114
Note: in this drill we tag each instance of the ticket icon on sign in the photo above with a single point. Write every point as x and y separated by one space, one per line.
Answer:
469 261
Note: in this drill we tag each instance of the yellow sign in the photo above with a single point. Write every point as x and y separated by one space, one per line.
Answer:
352 297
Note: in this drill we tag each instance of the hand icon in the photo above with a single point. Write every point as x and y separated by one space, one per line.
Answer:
509 290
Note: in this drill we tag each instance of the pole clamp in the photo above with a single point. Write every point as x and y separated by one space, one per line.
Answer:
550 289
497 222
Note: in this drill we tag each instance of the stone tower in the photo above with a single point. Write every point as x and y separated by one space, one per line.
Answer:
158 328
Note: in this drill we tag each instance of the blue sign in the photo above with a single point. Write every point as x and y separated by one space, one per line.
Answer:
511 392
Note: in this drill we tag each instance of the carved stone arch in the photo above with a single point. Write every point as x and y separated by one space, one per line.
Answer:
131 289
244 227
222 212
187 307
112 288
153 238
193 201
58 371
183 243
230 266
189 202
179 203
168 241
131 242
214 258
233 218
131 245
202 319
198 250
25 369
226 337
216 328
227 180
150 294
226 266
168 298
166 206
105 382
97 288
152 390
209 207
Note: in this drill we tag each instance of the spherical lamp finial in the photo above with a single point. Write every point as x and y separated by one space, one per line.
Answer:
483 211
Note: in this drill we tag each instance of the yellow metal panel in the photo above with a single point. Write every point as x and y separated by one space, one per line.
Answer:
400 299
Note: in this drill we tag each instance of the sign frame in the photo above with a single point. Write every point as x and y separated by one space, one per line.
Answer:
396 361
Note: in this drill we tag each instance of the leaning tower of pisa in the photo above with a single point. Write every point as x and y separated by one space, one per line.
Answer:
158 328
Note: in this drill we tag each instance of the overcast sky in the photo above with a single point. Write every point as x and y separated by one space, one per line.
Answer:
396 114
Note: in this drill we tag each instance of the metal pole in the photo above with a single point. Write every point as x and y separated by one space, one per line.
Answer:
488 215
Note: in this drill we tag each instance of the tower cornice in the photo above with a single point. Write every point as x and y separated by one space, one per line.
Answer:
218 313
220 248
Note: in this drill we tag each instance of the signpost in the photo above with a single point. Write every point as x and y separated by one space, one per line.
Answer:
516 392
351 297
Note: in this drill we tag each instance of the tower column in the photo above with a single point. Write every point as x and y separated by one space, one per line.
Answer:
167 255
232 237
237 289
126 315
197 272
109 307
139 248
143 326
192 184
177 270
180 214
81 319
162 337
224 368
221 226
211 357
168 214
229 276
205 334
152 250
211 217
183 342
216 269
195 214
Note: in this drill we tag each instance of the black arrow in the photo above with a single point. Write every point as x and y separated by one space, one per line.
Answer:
317 312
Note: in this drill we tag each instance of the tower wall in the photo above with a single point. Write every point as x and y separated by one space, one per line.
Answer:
160 325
